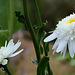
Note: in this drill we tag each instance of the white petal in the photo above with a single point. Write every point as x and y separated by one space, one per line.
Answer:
54 50
5 61
5 43
11 48
61 46
50 37
10 43
57 42
16 46
64 52
2 48
1 55
71 48
73 45
16 53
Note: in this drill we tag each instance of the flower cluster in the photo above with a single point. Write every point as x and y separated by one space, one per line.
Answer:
65 35
7 51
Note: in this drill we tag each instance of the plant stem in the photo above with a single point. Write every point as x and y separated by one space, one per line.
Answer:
38 13
29 25
42 6
46 54
6 69
11 19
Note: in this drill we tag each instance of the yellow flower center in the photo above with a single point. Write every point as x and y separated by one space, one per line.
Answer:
71 20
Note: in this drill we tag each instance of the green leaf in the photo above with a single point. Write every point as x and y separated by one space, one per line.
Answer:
42 65
33 60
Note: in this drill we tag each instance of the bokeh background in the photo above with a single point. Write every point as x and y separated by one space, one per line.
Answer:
50 10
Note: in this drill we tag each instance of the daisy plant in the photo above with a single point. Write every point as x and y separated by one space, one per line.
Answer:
7 51
64 35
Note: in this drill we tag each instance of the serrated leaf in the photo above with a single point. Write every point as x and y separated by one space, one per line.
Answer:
21 18
33 60
42 65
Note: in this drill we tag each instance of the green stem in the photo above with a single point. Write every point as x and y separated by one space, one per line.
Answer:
6 69
38 13
42 6
29 25
49 70
11 19
46 54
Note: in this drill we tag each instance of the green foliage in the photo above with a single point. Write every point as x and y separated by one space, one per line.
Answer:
42 65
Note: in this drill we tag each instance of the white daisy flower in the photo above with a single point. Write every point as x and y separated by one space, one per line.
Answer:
64 35
8 51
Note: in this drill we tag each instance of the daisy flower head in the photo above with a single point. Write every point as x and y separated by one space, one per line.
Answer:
7 51
64 35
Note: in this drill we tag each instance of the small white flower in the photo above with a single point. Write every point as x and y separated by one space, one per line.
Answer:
64 35
8 51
